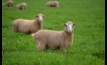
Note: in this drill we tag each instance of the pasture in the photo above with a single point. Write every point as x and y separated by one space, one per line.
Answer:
89 33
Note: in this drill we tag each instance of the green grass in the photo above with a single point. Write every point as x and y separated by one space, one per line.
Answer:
89 39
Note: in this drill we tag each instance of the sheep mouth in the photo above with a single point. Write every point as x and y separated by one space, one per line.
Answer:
40 21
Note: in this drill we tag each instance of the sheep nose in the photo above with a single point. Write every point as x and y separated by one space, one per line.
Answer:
69 31
69 28
40 19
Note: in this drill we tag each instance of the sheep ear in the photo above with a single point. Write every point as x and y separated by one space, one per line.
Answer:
74 24
44 16
36 15
64 24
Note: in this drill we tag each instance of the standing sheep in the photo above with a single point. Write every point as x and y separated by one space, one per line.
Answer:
9 3
53 4
22 6
55 39
28 26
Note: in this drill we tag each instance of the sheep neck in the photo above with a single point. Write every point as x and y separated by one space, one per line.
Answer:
67 37
38 24
65 33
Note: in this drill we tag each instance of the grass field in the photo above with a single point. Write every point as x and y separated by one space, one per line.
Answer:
89 39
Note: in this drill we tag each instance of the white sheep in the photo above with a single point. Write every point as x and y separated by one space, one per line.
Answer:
28 26
22 6
53 4
9 3
54 39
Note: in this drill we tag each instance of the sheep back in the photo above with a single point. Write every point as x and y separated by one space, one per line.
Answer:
24 26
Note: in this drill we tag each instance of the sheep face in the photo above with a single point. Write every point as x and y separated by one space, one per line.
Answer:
39 17
69 27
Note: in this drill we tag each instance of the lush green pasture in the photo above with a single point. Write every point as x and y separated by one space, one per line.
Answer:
89 39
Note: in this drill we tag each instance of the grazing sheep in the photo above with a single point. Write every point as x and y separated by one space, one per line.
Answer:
28 26
22 6
53 4
54 39
9 3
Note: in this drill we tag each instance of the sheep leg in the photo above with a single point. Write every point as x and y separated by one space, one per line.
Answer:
62 47
11 4
40 46
28 32
22 8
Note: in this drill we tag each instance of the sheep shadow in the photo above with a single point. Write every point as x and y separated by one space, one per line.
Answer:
99 55
16 50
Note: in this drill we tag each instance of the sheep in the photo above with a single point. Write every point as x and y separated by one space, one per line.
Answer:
22 6
28 26
54 39
53 4
9 3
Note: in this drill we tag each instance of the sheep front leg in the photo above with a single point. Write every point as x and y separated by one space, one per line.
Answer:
62 47
40 46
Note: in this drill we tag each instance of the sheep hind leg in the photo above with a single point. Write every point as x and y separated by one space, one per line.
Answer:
24 8
40 46
29 32
11 5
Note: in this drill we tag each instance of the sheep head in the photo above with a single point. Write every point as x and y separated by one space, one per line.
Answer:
69 26
40 17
